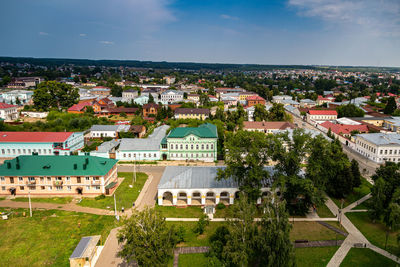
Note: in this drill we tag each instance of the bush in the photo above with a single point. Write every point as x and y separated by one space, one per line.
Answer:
201 224
180 234
102 196
220 206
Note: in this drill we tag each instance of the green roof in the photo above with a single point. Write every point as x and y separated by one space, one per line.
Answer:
206 130
56 166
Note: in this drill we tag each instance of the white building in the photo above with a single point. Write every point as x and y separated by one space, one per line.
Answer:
99 131
139 149
182 185
129 95
8 112
22 95
379 147
35 114
171 96
279 98
319 116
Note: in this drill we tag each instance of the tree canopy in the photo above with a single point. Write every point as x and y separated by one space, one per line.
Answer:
52 94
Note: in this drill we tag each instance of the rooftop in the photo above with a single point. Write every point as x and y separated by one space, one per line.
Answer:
206 130
381 138
85 247
57 165
278 125
192 111
184 177
5 105
105 128
322 112
345 129
150 143
34 137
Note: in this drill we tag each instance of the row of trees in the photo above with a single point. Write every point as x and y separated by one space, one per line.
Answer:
328 168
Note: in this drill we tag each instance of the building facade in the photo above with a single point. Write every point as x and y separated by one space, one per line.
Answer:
192 113
100 131
189 143
267 127
58 175
8 112
13 144
171 96
319 116
378 147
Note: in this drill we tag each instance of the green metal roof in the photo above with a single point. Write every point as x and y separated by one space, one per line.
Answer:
206 130
56 166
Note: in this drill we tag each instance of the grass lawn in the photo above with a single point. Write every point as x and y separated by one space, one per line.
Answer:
125 195
315 257
49 237
359 192
191 238
192 260
324 212
2 198
175 212
374 232
366 258
56 200
312 231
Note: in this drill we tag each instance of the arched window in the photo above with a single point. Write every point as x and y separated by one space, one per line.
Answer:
191 147
207 146
181 146
197 147
202 146
212 146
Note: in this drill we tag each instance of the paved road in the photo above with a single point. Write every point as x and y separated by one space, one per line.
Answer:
147 197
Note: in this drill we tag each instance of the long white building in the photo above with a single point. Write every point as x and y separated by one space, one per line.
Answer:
379 147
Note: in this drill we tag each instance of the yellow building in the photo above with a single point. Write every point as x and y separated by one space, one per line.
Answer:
192 113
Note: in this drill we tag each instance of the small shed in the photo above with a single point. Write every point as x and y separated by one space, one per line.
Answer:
86 252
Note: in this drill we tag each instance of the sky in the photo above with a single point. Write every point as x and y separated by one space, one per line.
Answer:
304 32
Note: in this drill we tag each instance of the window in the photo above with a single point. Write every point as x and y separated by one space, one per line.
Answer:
2 151
20 179
87 178
3 188
187 146
41 179
97 187
181 146
207 146
21 188
144 154
69 188
49 188
197 147
68 178
202 146
88 187
49 179
2 179
42 187
212 146
155 155
59 188
124 155
58 179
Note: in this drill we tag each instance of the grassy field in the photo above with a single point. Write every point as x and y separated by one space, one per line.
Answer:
366 258
359 192
125 195
192 260
374 232
312 231
324 212
55 200
191 238
49 237
175 212
314 257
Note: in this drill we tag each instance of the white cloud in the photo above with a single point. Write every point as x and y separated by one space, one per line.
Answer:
43 33
225 16
82 34
107 42
379 18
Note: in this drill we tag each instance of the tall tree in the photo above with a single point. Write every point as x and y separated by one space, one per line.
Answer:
390 106
247 154
53 94
146 239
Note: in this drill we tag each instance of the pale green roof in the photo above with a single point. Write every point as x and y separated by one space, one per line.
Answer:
56 165
206 130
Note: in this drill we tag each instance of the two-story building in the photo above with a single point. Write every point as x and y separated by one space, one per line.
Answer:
150 109
191 143
8 112
379 147
267 127
13 144
11 97
255 100
192 113
58 175
319 116
100 131
171 96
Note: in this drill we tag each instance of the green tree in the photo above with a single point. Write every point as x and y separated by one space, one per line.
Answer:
390 106
247 154
151 98
355 170
260 113
278 113
51 94
146 239
349 110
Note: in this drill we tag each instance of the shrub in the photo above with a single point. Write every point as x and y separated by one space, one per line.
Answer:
180 234
102 196
201 224
220 206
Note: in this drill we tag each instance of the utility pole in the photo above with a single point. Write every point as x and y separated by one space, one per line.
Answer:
30 204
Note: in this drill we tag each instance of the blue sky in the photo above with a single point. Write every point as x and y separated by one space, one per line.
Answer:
324 32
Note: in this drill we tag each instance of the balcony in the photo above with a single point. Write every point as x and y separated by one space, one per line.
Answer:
58 183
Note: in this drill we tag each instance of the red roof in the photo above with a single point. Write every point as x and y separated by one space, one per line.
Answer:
322 112
5 105
34 137
343 128
255 97
80 106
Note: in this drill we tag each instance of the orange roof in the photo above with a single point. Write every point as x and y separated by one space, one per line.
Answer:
343 128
